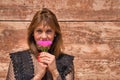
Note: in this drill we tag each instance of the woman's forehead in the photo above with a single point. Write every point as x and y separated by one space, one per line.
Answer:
43 27
46 24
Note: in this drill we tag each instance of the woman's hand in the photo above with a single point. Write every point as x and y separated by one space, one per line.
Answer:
41 70
49 59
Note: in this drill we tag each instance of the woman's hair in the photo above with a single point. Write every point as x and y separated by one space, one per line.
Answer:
45 17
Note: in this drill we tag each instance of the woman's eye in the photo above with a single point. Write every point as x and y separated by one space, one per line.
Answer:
39 31
49 31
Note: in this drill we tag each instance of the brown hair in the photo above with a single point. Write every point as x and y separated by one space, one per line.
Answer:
45 17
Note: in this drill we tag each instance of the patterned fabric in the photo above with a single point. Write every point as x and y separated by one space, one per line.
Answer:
64 65
23 65
24 68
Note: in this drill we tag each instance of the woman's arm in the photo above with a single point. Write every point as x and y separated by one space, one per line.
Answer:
10 74
56 75
69 76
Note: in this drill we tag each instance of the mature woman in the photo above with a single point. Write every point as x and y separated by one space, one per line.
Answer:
36 64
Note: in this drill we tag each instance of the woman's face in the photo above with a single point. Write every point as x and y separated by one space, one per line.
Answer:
44 33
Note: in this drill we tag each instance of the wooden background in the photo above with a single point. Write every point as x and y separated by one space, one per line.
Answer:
90 28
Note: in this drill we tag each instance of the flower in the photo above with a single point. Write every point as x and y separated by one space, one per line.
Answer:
44 45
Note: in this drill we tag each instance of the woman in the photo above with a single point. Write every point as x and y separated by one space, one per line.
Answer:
38 65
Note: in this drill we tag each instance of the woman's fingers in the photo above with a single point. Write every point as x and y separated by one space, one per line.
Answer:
43 65
46 60
45 54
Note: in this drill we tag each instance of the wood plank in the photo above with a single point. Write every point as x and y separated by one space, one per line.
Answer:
17 10
86 9
91 32
66 10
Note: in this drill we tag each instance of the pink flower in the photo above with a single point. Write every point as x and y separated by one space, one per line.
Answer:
44 45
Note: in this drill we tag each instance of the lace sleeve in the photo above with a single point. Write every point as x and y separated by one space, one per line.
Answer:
70 75
65 67
10 74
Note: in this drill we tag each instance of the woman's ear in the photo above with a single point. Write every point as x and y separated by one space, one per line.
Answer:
55 35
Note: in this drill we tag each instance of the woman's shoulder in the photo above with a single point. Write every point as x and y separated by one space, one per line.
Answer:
22 62
66 56
65 64
65 59
19 52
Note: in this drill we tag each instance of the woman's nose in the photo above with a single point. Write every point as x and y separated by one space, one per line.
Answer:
44 36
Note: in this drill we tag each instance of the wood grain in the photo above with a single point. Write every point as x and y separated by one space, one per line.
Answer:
90 29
